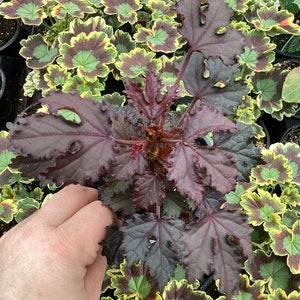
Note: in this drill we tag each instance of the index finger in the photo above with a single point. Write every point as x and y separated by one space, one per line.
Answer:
67 202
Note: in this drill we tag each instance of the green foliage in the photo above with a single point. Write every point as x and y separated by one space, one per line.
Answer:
19 198
84 45
261 22
271 201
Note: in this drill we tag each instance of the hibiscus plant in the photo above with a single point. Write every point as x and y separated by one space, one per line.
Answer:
143 100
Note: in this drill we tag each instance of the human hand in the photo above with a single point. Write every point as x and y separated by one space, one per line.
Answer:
54 254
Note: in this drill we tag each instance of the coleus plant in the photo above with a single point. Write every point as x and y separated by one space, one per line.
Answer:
163 170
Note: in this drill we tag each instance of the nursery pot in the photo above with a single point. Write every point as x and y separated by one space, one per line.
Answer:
291 135
9 33
12 73
5 107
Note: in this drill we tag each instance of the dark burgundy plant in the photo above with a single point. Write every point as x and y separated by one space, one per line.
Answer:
154 165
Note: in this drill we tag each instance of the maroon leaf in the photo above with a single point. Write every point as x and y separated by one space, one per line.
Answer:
200 27
128 161
117 195
149 100
203 119
74 147
149 190
224 98
188 167
213 243
156 242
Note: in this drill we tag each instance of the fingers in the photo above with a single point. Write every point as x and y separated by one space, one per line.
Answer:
87 228
95 275
64 204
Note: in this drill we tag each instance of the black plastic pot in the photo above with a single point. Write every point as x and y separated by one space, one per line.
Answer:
11 46
13 71
292 134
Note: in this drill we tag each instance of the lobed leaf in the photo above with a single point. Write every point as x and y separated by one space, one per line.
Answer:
291 152
248 291
150 100
149 189
30 12
73 148
154 241
203 119
182 290
162 37
224 98
37 52
240 146
200 27
128 162
258 53
76 8
135 281
89 55
209 248
188 166
279 21
136 62
268 86
264 208
125 11
8 209
273 270
275 170
286 242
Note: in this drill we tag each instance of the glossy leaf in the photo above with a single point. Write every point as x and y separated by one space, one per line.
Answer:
225 99
149 190
208 248
117 195
239 144
82 145
150 100
203 37
154 241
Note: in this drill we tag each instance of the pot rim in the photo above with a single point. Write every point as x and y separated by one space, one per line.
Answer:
13 38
